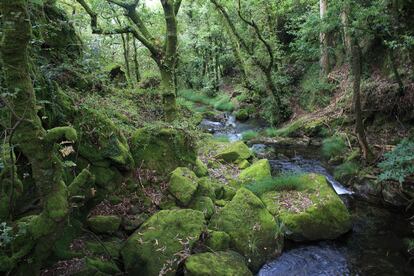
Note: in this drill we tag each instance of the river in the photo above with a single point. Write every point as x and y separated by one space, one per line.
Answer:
375 246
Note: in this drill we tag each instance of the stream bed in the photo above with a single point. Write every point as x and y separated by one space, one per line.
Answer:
375 245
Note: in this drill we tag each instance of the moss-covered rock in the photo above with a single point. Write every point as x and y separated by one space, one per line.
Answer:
156 245
104 224
203 204
200 168
206 187
244 164
163 149
106 177
253 230
217 264
234 152
315 213
183 185
217 241
100 140
97 267
110 247
258 171
242 114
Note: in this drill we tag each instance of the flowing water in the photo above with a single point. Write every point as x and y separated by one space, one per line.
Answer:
375 246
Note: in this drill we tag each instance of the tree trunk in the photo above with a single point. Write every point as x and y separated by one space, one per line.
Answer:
136 63
359 124
324 41
168 92
34 142
125 48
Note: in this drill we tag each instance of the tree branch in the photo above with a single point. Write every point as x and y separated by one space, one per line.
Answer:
94 22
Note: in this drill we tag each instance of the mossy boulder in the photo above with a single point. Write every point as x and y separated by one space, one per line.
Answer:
217 264
100 140
200 168
183 185
234 152
258 171
253 230
97 266
218 241
110 247
106 177
206 187
104 224
242 115
203 204
163 149
156 245
315 213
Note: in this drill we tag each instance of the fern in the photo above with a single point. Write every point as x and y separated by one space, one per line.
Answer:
398 163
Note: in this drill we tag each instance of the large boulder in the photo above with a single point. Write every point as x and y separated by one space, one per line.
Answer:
163 149
104 224
258 171
183 185
159 244
253 230
315 213
234 152
222 263
101 141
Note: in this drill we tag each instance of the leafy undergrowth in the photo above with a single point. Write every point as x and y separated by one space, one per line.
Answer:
220 102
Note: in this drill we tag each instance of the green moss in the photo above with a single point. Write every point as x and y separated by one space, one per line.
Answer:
315 213
244 164
156 244
217 264
233 152
218 241
281 183
56 202
206 187
183 185
163 149
111 247
106 178
203 204
200 168
242 115
299 127
258 171
95 266
58 133
253 230
81 184
100 140
104 224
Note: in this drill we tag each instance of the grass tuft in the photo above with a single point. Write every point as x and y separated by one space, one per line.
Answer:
287 182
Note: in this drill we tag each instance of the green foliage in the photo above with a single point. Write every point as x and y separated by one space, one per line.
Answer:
316 92
220 102
399 163
287 182
333 147
249 135
347 169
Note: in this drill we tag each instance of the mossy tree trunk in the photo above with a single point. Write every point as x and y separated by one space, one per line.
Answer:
34 142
